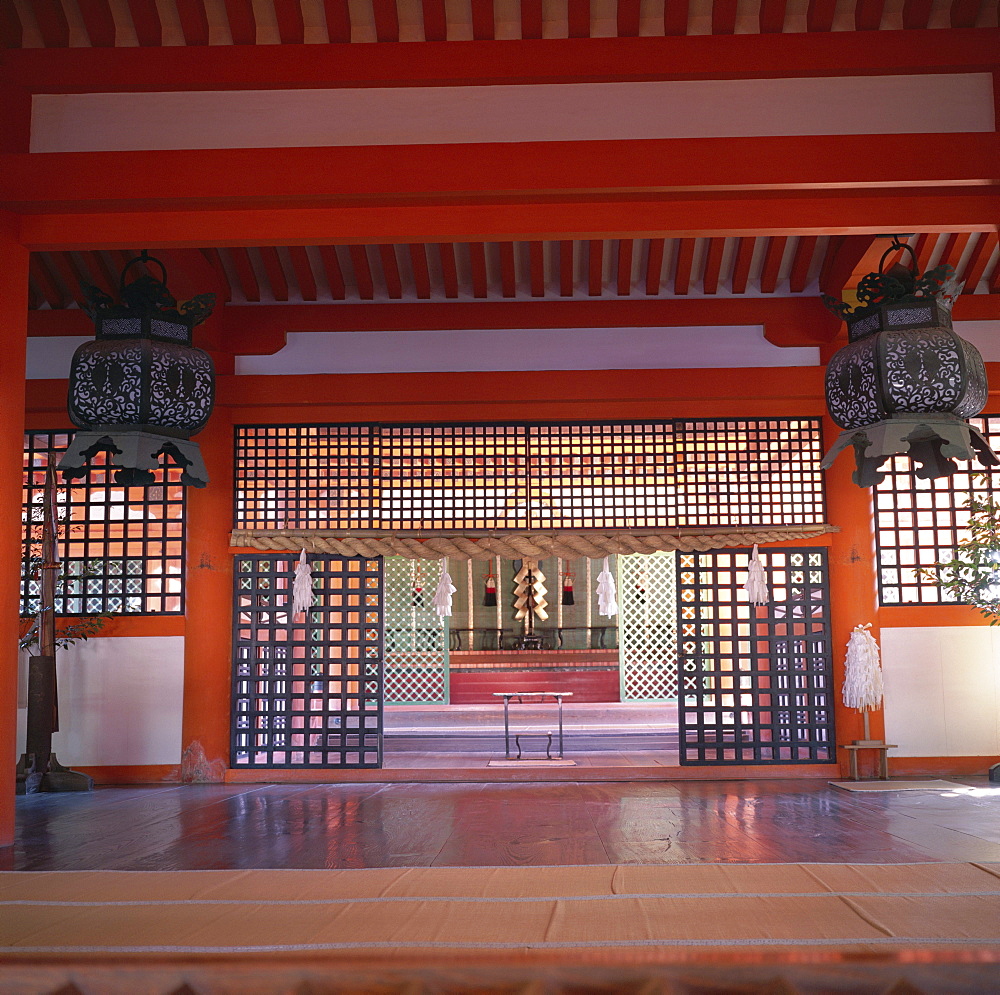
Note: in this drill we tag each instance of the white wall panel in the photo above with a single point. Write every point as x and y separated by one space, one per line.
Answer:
120 702
556 112
942 690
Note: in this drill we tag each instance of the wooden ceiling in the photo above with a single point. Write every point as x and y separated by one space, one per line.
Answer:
148 23
608 269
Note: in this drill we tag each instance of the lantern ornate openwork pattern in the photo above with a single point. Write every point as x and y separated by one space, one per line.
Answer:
141 390
905 382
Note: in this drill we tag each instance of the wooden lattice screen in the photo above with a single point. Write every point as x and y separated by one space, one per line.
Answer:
756 681
307 688
647 626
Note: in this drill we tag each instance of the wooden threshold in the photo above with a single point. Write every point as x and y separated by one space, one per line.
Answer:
489 775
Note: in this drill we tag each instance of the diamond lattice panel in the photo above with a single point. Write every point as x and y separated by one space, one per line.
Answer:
647 620
756 681
416 641
307 688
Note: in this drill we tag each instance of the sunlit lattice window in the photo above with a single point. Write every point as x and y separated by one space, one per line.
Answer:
512 476
918 523
121 548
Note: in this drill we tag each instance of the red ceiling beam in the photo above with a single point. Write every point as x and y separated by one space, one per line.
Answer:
275 272
595 267
146 21
740 56
954 247
190 272
421 273
682 271
771 19
923 249
845 256
242 25
194 22
741 264
713 265
675 17
578 16
508 272
435 20
99 22
677 217
798 277
964 13
390 271
334 274
386 20
917 13
979 259
39 271
531 18
477 262
244 273
819 15
52 24
868 14
483 27
338 21
304 275
654 266
449 269
536 264
723 17
362 272
226 178
628 18
11 31
625 246
291 25
567 276
214 260
772 263
68 272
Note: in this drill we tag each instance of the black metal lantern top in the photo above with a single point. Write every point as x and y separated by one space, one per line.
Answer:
905 381
141 390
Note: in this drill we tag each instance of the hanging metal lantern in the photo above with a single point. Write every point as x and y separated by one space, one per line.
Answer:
905 382
141 390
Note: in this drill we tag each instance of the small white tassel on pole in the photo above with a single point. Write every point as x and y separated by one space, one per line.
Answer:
302 592
607 603
442 596
756 585
862 673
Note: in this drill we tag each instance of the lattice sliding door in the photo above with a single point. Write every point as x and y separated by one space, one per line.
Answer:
416 641
307 688
756 682
647 620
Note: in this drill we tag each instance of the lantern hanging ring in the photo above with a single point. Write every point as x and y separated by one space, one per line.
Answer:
145 258
895 247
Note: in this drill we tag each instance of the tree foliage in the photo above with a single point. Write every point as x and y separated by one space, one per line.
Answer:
972 577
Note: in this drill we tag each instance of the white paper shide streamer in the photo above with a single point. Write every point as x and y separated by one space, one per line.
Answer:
607 603
862 672
302 590
442 596
756 585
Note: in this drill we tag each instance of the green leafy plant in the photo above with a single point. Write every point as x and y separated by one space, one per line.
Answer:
972 577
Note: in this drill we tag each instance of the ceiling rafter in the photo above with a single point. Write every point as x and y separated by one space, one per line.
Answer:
741 265
363 278
421 272
536 264
654 266
304 276
390 271
275 272
334 272
979 260
242 21
625 249
99 22
508 271
685 261
449 269
713 265
771 268
567 277
193 21
477 261
595 267
146 21
249 286
338 21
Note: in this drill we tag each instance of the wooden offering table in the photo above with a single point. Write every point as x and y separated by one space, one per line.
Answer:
533 696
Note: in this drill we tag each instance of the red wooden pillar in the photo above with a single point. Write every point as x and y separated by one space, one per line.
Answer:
14 322
208 627
853 580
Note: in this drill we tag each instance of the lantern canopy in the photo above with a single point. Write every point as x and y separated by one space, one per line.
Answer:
141 390
905 382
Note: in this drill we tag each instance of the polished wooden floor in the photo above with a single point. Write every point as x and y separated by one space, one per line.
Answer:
382 825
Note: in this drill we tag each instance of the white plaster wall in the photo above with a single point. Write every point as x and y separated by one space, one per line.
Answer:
550 112
942 690
120 702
